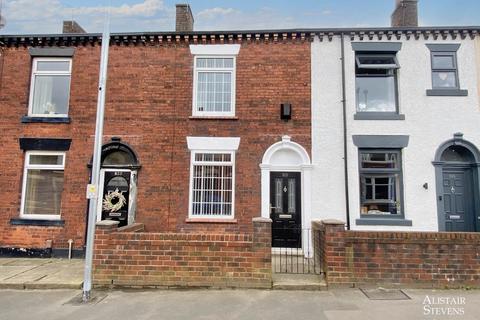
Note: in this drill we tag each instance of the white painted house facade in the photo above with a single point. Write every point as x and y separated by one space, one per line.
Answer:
411 113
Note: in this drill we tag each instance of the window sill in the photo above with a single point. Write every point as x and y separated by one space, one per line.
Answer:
37 222
378 116
447 92
381 221
206 220
213 118
28 119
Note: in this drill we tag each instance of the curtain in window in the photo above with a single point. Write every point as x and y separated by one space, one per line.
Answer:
43 192
42 100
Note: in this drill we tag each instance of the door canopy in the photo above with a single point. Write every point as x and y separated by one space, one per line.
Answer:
286 153
118 154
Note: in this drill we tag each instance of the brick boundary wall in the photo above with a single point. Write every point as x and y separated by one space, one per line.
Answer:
129 257
403 259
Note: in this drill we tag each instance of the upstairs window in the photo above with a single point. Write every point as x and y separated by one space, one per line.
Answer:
376 82
214 80
50 87
444 70
214 85
445 79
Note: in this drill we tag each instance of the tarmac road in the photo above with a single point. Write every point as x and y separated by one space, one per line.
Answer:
338 304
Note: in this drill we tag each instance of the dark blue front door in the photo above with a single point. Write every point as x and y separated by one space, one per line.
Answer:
457 200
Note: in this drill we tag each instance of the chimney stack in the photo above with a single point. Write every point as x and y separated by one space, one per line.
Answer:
72 27
405 13
184 18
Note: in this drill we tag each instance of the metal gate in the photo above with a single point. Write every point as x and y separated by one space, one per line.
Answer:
297 260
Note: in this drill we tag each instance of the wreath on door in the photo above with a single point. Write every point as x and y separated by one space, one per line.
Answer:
114 201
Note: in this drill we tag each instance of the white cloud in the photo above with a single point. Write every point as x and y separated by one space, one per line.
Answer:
232 19
216 12
327 12
45 16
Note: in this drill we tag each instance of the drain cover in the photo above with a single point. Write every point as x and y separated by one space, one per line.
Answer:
385 294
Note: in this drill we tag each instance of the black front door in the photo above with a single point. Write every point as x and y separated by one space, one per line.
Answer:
457 200
285 204
116 191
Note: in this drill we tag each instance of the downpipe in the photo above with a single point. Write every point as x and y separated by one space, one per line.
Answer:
345 146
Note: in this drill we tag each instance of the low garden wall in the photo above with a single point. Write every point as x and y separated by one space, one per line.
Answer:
133 258
406 259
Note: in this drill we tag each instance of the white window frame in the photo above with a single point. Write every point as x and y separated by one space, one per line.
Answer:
35 72
225 51
211 145
232 71
28 166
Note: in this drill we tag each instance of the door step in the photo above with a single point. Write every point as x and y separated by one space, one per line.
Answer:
311 282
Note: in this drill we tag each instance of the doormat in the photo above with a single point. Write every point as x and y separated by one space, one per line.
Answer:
385 294
95 298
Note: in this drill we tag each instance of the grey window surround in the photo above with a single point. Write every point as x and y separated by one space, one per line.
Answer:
372 219
51 52
447 92
445 49
379 221
27 119
37 222
381 141
377 46
378 116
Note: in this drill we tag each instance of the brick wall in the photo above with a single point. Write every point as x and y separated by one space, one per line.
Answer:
411 259
123 257
149 106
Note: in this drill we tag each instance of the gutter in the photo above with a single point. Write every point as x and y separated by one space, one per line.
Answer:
345 155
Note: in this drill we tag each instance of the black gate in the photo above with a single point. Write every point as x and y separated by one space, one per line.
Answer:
299 259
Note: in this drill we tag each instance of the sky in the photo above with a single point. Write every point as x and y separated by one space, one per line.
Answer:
46 16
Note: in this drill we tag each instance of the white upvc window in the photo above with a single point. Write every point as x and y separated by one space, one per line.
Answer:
42 185
212 177
50 87
214 80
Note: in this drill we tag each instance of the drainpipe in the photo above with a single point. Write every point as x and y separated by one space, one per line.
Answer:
345 156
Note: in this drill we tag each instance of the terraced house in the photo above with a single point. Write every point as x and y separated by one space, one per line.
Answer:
223 149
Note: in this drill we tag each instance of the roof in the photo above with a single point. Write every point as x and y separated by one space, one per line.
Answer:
455 32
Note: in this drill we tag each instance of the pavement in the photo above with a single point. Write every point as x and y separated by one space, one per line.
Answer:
36 273
337 304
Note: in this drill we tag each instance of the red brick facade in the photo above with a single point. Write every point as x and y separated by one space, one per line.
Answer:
411 259
145 259
149 106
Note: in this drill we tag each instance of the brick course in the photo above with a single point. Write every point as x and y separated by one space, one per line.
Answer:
412 259
132 258
149 105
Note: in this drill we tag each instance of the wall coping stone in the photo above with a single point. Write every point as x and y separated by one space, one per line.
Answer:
262 219
107 224
333 222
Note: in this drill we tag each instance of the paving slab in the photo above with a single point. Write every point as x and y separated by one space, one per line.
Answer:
28 262
7 272
41 274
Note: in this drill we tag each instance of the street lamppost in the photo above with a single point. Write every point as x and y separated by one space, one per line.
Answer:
92 188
